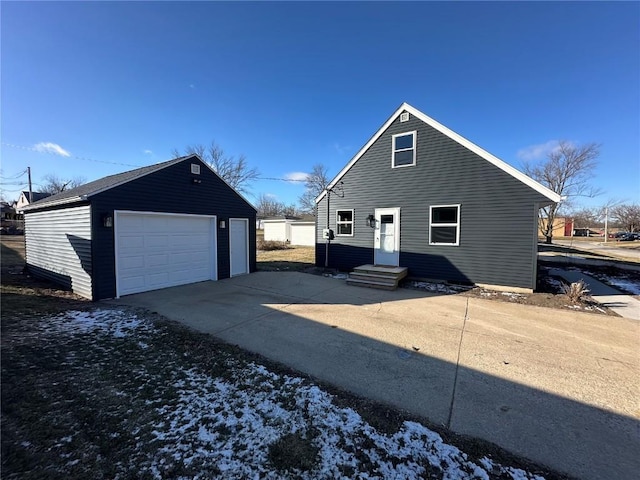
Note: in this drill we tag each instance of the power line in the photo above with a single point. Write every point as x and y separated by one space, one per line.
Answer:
33 149
281 179
14 177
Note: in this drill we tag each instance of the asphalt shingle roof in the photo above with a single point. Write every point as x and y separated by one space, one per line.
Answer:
36 195
102 184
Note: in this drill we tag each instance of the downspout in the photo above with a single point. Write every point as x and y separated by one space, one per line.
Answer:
326 248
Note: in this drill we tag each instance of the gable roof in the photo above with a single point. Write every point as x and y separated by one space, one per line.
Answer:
405 107
83 192
35 195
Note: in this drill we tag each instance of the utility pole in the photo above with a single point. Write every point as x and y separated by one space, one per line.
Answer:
606 224
30 188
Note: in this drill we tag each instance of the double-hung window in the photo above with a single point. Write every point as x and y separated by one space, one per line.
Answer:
344 223
404 149
444 225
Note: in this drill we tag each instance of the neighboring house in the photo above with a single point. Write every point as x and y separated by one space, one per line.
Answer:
419 195
299 231
23 199
163 225
7 212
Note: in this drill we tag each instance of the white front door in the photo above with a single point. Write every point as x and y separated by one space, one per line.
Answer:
386 249
239 245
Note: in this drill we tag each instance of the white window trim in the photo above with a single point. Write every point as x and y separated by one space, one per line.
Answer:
394 151
457 225
352 222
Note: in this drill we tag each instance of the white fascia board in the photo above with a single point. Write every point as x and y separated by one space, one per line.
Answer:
530 182
64 201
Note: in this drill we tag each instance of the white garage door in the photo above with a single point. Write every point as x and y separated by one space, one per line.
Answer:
303 234
161 250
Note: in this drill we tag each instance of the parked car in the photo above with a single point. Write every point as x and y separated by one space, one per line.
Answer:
627 237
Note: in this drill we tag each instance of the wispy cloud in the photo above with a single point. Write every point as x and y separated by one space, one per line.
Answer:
342 149
48 147
536 152
296 176
271 195
148 152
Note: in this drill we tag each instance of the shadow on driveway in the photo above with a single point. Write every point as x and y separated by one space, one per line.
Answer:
559 388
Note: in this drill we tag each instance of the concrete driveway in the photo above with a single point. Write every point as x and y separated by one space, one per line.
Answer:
558 387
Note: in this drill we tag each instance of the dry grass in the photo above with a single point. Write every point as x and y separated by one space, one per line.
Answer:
296 259
576 292
23 294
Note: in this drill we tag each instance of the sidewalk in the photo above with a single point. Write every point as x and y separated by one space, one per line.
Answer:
624 305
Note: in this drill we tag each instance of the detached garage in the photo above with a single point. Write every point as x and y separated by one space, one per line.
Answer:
160 226
299 231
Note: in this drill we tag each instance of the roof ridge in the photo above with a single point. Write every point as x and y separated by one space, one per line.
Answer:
456 137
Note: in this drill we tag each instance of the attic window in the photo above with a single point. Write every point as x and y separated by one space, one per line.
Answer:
195 169
404 150
404 117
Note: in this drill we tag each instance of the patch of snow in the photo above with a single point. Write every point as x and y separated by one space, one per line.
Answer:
439 287
339 276
557 284
624 284
117 323
512 295
231 422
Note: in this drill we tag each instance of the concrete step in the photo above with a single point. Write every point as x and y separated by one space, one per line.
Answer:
373 277
371 284
384 271
377 276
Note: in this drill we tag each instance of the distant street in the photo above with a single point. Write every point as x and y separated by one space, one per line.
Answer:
611 248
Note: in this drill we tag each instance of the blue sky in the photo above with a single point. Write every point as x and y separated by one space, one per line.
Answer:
290 85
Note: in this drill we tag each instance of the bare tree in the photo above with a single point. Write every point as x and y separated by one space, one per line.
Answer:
268 206
627 216
235 171
54 184
567 171
315 183
586 217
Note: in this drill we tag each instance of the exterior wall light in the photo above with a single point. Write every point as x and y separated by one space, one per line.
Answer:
371 221
223 224
107 220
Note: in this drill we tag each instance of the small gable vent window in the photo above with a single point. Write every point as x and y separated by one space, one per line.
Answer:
195 169
444 225
344 222
404 117
404 150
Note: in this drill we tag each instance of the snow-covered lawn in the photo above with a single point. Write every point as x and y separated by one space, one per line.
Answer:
132 397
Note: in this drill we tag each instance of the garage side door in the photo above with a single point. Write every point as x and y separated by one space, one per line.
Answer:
158 250
239 245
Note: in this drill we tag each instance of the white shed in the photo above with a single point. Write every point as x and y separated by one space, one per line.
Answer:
295 231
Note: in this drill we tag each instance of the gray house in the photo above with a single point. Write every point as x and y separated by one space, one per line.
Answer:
420 196
159 226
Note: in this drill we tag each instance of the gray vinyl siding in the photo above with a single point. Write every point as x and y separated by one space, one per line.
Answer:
170 190
58 247
497 223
